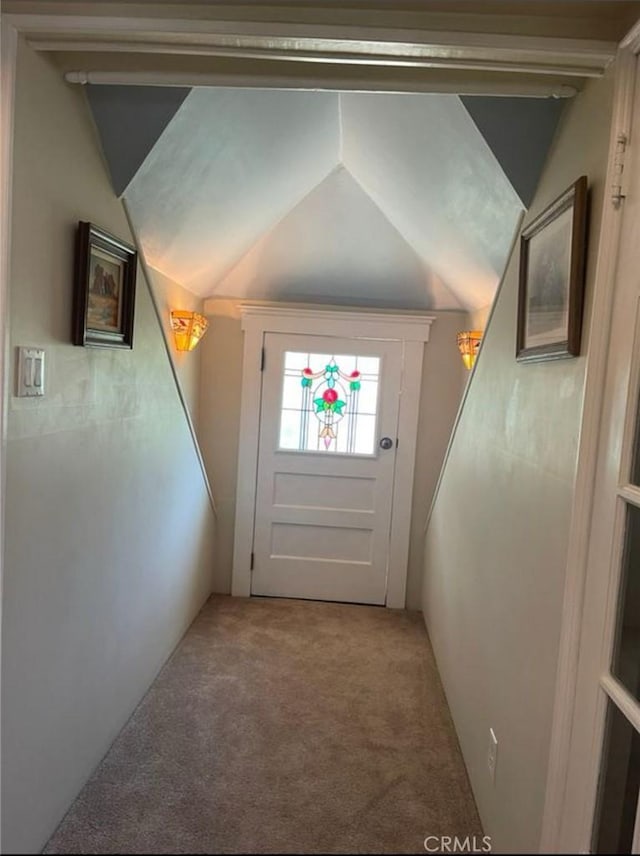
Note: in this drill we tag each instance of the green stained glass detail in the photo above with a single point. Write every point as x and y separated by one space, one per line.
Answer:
329 405
342 403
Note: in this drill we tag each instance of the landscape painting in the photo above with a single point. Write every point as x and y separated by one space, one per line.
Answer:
548 284
104 289
552 267
104 310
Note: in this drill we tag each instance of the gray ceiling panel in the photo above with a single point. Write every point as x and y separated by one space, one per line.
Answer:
130 120
519 132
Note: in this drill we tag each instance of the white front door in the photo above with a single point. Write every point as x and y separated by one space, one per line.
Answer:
326 457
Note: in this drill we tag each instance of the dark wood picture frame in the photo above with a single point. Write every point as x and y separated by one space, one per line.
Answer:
552 269
104 289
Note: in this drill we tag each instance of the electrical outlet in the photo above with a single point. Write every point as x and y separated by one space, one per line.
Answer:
492 754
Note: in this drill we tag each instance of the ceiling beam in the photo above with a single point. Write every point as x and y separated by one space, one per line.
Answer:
173 70
458 86
343 45
594 19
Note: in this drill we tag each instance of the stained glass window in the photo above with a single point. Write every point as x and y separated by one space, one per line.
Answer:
329 403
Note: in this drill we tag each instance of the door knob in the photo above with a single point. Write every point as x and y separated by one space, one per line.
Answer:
386 443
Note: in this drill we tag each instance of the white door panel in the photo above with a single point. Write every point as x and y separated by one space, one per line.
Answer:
324 486
357 493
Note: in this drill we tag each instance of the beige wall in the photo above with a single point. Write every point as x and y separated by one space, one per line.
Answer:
109 532
444 377
171 295
220 390
478 318
496 544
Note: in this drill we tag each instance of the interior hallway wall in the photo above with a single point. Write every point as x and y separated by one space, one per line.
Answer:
479 318
169 295
496 545
109 530
443 381
220 393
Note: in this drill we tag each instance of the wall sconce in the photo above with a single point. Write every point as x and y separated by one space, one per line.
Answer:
469 344
188 328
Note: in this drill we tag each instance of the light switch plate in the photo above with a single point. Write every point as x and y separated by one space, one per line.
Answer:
30 372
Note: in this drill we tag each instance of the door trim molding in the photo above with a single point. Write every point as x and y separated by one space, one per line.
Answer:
8 69
413 332
559 804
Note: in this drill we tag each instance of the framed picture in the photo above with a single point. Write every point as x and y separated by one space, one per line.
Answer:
552 264
104 289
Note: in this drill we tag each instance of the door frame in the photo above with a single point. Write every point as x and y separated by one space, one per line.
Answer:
570 800
413 332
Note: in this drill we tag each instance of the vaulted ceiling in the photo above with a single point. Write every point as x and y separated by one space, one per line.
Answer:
265 150
405 200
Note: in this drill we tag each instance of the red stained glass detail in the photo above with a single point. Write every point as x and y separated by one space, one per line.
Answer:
330 396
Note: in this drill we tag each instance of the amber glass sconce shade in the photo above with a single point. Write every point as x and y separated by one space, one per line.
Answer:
469 344
188 328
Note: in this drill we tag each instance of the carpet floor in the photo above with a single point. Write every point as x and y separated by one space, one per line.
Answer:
282 726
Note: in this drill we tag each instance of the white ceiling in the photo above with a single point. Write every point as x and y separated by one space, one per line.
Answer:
366 198
334 246
229 165
424 162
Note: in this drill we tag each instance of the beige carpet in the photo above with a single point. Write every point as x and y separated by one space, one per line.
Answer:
282 726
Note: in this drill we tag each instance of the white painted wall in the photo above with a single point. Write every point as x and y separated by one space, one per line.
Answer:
109 532
171 295
444 377
496 545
